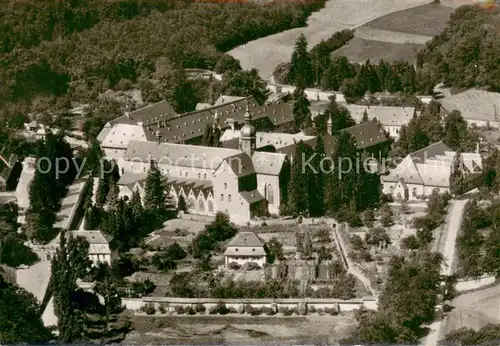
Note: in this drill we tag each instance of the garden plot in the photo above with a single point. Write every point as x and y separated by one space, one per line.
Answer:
359 50
427 20
266 53
176 230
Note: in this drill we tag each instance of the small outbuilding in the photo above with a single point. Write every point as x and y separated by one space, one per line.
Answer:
244 248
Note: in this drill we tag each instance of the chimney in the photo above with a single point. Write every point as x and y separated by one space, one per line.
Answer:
127 111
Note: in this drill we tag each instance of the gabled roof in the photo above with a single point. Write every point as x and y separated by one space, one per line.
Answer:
178 154
367 134
252 197
420 156
131 178
241 164
147 113
268 163
388 116
192 125
245 239
263 139
120 135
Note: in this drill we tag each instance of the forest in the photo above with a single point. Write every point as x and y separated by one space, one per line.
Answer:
76 50
466 54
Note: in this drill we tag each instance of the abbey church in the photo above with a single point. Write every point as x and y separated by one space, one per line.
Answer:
246 177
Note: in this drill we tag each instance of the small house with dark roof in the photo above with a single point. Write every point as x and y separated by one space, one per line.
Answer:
244 248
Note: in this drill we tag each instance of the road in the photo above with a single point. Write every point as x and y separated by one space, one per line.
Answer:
453 224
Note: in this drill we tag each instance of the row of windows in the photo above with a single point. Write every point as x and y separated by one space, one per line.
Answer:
167 172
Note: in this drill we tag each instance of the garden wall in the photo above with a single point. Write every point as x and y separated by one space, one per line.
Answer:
369 303
473 284
311 93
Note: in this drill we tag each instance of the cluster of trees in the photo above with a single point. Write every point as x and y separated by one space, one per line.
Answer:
306 68
334 187
428 128
212 235
437 207
20 318
167 259
407 301
478 244
13 252
128 221
353 80
81 317
54 172
488 334
464 54
103 51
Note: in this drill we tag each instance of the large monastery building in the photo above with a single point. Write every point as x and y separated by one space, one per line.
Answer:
247 177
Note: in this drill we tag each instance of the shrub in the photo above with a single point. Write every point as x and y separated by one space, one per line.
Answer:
220 309
162 308
264 224
180 310
234 266
251 266
331 311
149 309
191 311
311 309
247 308
268 311
320 311
232 310
200 308
290 312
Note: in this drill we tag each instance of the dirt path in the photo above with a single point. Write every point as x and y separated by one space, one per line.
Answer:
452 227
351 267
266 53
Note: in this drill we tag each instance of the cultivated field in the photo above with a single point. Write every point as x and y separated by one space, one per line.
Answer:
248 330
266 53
389 36
427 20
473 310
358 50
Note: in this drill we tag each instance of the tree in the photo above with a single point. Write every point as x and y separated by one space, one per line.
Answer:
20 319
274 250
69 263
301 112
298 200
368 217
307 248
208 138
456 133
386 217
410 243
155 193
245 84
301 73
364 119
299 241
457 175
377 236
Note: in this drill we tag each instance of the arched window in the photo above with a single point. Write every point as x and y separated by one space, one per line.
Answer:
210 206
201 205
205 176
270 194
225 186
414 192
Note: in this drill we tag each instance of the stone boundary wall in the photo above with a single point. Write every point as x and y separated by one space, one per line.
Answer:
473 284
339 305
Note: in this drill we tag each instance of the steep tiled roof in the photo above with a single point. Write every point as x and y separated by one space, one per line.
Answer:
252 196
192 125
388 116
178 154
147 113
131 178
367 134
420 156
268 163
119 135
241 164
263 139
245 239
